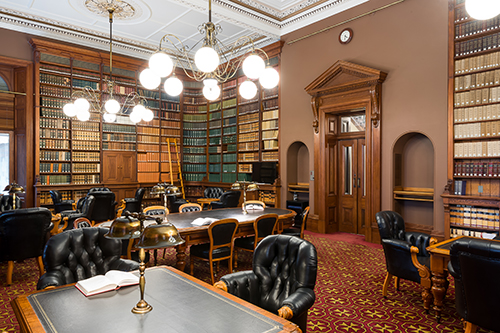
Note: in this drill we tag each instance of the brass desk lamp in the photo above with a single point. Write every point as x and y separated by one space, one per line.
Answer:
245 186
13 189
168 190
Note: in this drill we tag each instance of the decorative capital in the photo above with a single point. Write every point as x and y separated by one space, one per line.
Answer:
315 104
375 101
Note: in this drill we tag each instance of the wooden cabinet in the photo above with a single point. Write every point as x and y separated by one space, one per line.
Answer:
473 191
119 167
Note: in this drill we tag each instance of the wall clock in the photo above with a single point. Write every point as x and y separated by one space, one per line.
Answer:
345 36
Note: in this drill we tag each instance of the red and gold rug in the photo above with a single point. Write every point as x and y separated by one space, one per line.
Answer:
348 291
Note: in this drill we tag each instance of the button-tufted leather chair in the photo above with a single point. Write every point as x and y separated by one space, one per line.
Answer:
299 224
69 217
405 253
189 207
132 204
228 199
475 265
60 204
105 204
213 192
282 279
23 234
6 202
79 254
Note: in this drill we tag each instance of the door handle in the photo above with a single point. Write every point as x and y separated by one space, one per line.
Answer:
359 182
354 181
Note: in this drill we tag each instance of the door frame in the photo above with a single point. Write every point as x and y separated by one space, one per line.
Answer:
346 86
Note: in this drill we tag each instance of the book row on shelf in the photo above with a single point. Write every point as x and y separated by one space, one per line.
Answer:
229 168
267 197
118 146
54 179
248 108
55 167
55 155
85 145
148 139
86 167
194 133
118 128
473 27
148 130
248 157
247 118
270 124
54 133
86 156
229 158
472 216
171 132
254 145
477 168
194 150
253 136
479 44
53 113
477 80
194 158
478 96
477 149
147 177
270 104
119 137
148 157
460 187
477 130
148 167
86 179
270 155
55 92
194 168
194 177
194 142
477 63
476 113
272 134
229 113
245 168
55 79
54 144
271 144
55 69
120 89
54 123
456 232
250 127
85 136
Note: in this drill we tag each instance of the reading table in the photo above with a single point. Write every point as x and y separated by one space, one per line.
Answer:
180 303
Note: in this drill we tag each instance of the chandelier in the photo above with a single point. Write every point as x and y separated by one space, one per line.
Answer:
88 98
213 63
482 9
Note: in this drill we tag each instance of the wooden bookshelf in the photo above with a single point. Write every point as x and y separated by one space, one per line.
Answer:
474 125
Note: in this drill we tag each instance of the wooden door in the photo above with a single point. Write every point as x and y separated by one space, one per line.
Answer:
352 185
119 167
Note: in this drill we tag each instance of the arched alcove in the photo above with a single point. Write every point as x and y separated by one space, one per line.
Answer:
413 157
298 171
3 85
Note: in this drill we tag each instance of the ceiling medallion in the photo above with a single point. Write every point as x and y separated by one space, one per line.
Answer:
122 9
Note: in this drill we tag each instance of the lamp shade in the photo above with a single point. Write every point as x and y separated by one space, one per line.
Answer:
147 115
82 104
83 115
269 78
206 59
69 110
173 86
109 117
211 92
124 227
248 90
236 186
253 66
161 63
252 187
135 116
112 106
158 236
149 79
158 189
172 190
14 188
482 9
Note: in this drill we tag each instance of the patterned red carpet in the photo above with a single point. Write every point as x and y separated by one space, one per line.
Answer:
348 289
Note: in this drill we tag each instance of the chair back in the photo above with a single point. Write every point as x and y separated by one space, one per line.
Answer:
105 204
56 196
283 264
475 265
88 206
300 221
264 226
213 192
221 234
156 211
82 222
230 199
139 194
254 204
23 233
189 207
6 202
390 225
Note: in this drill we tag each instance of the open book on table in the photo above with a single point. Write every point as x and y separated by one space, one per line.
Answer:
203 221
112 280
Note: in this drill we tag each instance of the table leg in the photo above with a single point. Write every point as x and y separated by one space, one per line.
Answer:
181 256
439 291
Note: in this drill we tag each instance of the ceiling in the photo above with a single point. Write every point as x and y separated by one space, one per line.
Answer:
144 22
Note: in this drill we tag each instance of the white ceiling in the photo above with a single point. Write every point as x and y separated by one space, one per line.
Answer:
138 36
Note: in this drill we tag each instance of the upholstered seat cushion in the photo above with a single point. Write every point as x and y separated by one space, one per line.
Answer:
245 242
203 251
292 232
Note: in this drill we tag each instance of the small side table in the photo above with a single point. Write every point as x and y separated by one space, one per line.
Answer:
206 201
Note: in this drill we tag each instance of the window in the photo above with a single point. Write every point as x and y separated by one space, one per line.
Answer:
4 159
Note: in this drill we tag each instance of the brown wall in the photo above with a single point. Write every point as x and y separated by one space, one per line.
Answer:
409 42
15 45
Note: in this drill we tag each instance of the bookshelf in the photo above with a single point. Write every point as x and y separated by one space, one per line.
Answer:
472 195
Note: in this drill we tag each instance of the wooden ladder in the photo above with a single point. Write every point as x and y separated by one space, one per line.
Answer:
173 142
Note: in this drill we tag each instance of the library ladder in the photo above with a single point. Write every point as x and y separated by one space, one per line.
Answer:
173 142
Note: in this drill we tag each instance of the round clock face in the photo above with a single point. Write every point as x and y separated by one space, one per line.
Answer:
345 36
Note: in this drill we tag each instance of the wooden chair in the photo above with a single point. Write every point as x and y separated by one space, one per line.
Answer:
254 204
156 211
298 228
190 207
263 226
221 234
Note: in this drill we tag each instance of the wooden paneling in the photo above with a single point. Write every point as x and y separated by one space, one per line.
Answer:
7 111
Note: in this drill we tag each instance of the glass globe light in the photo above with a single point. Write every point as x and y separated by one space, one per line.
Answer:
135 116
248 90
109 117
482 9
147 115
83 115
112 106
211 93
210 82
70 110
140 110
173 86
161 64
269 78
82 104
206 59
253 66
149 79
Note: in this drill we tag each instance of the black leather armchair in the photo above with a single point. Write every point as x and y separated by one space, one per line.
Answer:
23 234
132 204
475 265
299 224
79 254
60 204
228 199
69 217
213 192
105 204
6 202
282 279
405 253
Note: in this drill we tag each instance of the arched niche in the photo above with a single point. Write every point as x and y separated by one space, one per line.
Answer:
297 169
413 163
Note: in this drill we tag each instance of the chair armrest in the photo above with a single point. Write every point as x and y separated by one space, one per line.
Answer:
301 300
123 204
50 279
421 241
124 265
243 284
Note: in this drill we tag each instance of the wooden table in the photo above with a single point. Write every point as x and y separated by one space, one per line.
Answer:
180 304
206 201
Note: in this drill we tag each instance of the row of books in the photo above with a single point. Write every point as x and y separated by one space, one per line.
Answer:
267 197
118 128
53 113
456 232
229 158
477 149
229 121
229 103
79 83
46 198
148 130
214 168
86 167
248 118
54 133
55 92
477 168
229 139
194 142
214 124
52 103
194 177
245 168
253 136
194 99
270 104
80 156
475 26
148 138
54 144
214 140
254 145
477 130
169 124
272 114
228 177
145 147
195 126
229 168
229 93
471 216
85 136
248 157
249 127
229 113
117 89
86 145
148 177
244 177
215 132
195 109
170 106
194 134
476 113
214 158
478 96
214 177
214 150
54 69
194 150
46 155
270 93
479 44
54 123
229 130
55 167
272 134
187 158
270 155
477 63
170 115
86 179
195 117
270 124
477 80
214 115
118 146
271 144
194 167
85 126
55 179
460 187
248 108
147 167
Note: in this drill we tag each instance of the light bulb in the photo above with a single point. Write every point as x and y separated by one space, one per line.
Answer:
112 106
173 86
482 9
161 64
70 110
269 78
135 117
83 115
248 90
147 115
253 66
210 82
149 79
211 93
140 110
206 59
82 104
109 117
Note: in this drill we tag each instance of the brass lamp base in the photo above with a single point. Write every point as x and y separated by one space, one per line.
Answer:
142 307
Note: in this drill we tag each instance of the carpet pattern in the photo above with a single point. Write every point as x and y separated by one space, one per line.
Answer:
348 291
